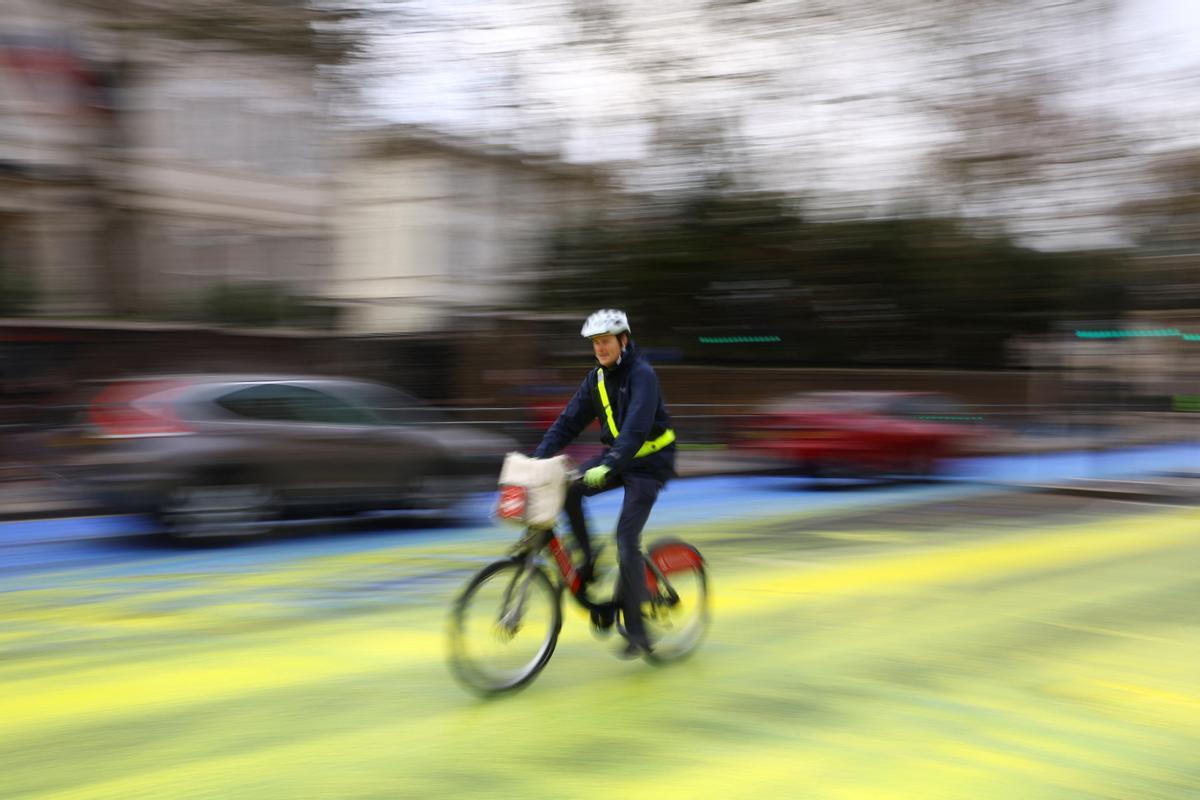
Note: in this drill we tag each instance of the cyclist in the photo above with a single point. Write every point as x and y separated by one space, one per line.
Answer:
623 392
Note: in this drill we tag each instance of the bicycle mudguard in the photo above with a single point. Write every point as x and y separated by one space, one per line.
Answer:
672 556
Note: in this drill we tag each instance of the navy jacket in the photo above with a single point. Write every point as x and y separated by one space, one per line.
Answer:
638 409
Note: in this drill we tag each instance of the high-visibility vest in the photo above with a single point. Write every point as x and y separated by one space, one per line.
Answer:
651 445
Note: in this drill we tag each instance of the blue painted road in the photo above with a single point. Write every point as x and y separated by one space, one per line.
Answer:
124 544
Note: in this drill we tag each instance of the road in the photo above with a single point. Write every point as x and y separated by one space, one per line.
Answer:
933 641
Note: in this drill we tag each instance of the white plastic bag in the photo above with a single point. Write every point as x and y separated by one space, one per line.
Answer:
533 490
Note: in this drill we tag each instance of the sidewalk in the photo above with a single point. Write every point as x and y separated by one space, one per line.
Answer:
41 500
1130 430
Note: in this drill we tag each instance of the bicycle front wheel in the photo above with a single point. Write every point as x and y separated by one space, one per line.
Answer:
504 627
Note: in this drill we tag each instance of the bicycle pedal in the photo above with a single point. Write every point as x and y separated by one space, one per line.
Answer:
603 620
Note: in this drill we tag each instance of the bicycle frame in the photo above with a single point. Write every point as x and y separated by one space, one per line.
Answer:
535 541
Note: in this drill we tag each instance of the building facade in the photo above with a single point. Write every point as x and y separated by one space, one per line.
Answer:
223 177
141 168
431 232
54 108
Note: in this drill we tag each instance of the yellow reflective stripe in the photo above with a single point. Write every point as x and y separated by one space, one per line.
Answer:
652 446
612 424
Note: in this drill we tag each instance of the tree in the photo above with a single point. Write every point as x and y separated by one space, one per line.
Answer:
985 92
743 269
320 32
1163 218
1166 217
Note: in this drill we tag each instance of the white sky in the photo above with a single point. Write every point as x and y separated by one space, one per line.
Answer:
457 75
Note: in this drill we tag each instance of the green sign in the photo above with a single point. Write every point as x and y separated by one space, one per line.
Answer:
738 339
1186 402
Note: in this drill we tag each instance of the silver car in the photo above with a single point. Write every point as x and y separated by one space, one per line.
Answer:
217 455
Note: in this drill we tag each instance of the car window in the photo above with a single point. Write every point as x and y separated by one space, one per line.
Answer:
391 406
930 409
284 403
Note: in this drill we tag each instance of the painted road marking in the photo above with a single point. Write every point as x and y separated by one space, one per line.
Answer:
1048 662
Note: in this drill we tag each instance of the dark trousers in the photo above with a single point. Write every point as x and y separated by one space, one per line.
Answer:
640 493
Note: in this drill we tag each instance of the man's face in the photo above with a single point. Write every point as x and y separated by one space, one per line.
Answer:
607 349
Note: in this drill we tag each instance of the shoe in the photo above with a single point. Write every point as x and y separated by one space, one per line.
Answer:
603 618
633 650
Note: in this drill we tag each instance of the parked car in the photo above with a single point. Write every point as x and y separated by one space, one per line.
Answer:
222 454
856 433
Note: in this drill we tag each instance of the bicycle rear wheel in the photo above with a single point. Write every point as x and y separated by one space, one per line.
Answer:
677 619
504 627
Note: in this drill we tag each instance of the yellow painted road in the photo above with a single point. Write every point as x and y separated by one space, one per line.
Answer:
979 656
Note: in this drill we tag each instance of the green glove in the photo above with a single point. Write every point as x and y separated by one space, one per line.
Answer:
595 477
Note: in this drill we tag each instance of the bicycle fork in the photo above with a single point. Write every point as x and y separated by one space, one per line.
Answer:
512 612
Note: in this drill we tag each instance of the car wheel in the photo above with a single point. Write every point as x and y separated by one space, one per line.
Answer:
219 507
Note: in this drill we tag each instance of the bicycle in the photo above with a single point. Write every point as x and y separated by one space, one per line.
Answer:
490 651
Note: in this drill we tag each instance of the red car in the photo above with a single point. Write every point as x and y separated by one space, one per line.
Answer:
861 432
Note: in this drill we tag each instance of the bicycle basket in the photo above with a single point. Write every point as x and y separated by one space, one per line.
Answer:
532 490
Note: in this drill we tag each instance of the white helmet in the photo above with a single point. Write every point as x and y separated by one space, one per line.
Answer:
606 320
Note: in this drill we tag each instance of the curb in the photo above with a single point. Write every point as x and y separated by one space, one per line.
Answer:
1120 491
41 512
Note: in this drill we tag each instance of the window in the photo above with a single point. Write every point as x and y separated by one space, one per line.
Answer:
391 406
930 408
283 403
